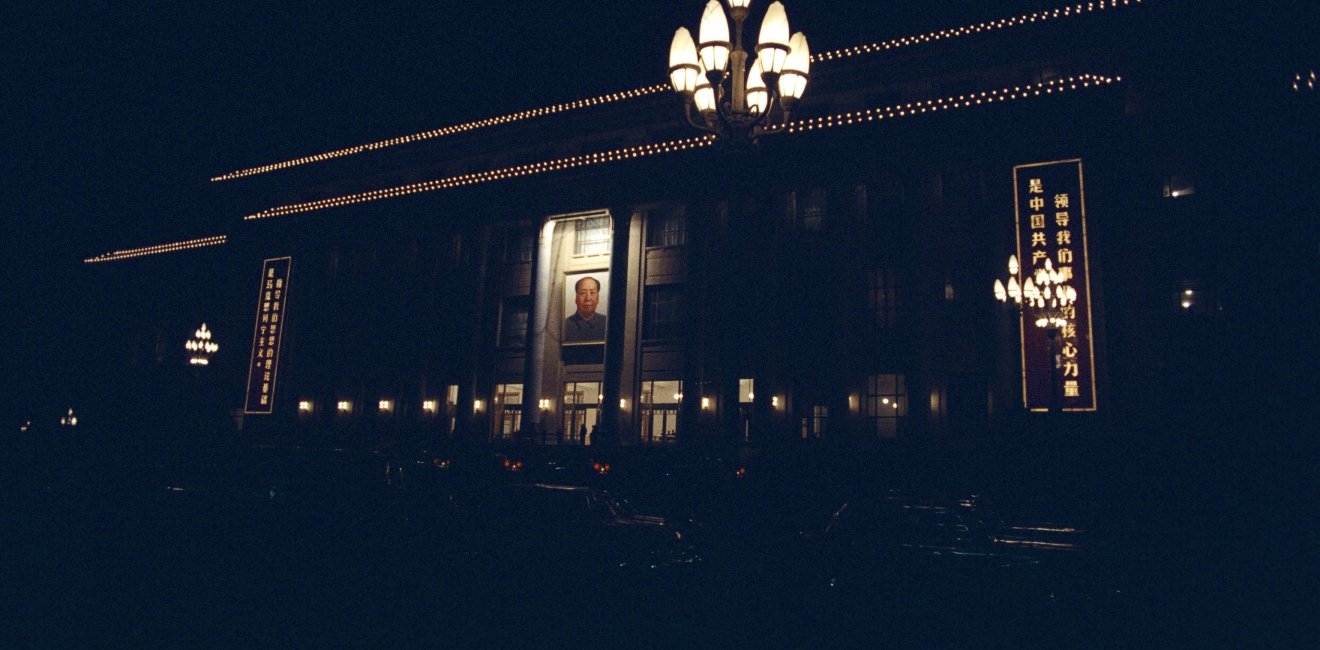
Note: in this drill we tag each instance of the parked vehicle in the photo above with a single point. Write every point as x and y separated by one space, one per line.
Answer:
897 558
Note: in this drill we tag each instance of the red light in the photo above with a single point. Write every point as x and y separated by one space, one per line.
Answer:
742 471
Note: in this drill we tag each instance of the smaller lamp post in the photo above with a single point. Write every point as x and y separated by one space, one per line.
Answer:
201 347
1048 298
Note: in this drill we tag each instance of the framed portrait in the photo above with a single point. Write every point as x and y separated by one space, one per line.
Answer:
586 296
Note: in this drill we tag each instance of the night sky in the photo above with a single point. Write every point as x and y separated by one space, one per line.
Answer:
118 113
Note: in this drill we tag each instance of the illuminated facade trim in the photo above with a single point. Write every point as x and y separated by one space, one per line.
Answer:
1055 86
113 256
844 53
987 26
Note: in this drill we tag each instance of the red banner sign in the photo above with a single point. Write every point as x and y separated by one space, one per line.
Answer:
1058 362
267 332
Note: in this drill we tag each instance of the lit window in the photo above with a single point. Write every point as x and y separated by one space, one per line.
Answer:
593 236
305 406
429 406
345 406
508 409
745 391
386 405
659 405
581 410
886 402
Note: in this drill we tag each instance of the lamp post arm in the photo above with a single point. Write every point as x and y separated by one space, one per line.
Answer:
687 112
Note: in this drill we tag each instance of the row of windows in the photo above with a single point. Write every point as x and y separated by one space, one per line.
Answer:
884 404
664 313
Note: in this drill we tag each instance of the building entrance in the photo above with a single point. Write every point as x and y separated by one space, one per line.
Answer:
581 410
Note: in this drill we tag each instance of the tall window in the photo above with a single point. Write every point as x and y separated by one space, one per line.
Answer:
581 410
746 394
662 312
593 236
518 246
812 209
882 296
660 401
886 402
513 322
814 425
451 406
667 228
508 410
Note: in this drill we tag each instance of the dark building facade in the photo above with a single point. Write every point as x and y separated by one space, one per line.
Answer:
834 284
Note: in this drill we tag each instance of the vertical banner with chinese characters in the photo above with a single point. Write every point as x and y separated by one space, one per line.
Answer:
1050 209
266 335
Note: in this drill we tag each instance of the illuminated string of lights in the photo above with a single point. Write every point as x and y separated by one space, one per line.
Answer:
450 130
215 240
1061 85
1054 86
871 48
530 169
1004 23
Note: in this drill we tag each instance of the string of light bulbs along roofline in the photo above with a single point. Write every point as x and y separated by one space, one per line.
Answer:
859 50
1052 87
214 240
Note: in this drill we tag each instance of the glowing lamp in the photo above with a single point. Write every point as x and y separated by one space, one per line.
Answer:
713 36
758 96
796 72
753 98
772 42
704 97
683 68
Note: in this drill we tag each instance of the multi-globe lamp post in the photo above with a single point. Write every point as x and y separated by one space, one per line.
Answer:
200 347
737 104
1047 298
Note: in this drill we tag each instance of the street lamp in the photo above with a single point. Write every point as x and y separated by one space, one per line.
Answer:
201 347
1046 295
736 104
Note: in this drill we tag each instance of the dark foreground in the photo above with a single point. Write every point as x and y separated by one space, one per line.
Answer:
249 547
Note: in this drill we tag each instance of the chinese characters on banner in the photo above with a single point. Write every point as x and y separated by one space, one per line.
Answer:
266 336
1050 211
